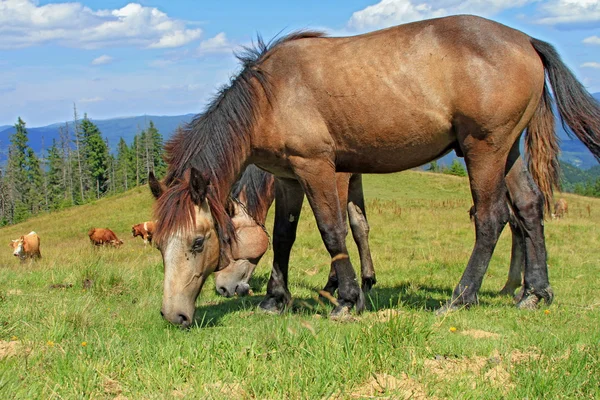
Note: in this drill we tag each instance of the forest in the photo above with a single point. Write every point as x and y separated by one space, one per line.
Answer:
79 167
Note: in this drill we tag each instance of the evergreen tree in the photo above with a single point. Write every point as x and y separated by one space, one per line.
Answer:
35 183
159 166
56 177
123 174
94 156
16 174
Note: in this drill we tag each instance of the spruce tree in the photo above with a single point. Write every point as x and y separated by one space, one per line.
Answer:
94 157
16 174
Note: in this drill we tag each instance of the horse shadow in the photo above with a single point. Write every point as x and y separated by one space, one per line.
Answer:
406 295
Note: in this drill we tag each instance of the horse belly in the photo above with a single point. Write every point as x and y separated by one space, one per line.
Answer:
393 155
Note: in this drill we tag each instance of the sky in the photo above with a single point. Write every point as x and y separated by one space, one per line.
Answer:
116 59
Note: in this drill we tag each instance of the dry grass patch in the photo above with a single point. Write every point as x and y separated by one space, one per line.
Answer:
479 334
391 387
231 390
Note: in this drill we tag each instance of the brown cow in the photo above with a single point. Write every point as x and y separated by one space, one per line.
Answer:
104 236
145 230
27 246
560 209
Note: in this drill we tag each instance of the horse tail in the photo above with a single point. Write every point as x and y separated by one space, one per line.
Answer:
578 110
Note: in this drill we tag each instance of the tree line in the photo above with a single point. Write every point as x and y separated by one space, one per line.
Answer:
77 168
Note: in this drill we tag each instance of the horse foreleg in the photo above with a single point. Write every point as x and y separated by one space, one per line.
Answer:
342 182
360 231
528 203
317 177
288 204
517 258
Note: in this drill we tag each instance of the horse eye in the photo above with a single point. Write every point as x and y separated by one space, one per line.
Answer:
198 245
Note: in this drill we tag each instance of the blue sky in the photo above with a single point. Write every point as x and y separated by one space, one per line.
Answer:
114 58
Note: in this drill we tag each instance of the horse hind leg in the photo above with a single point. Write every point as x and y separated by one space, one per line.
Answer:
528 203
360 231
517 259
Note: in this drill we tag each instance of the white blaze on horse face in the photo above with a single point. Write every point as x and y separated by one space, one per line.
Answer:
187 267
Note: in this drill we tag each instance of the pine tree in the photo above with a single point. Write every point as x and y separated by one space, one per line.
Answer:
159 166
16 174
123 168
56 177
94 156
35 183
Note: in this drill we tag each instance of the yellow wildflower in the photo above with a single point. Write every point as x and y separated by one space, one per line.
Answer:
546 312
452 329
50 343
83 344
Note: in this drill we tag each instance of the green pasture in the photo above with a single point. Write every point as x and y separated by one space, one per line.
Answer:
84 322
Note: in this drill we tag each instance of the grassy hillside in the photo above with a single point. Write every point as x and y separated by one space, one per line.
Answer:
85 323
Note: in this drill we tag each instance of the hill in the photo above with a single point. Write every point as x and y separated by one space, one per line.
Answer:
85 323
112 129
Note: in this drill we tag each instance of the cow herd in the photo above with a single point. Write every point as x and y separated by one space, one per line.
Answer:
28 246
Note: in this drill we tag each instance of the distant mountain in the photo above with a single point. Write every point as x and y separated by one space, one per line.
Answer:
112 129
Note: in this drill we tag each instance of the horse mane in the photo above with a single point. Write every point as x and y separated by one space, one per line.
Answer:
213 139
258 187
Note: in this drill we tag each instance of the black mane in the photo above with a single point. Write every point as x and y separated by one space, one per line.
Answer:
258 187
216 142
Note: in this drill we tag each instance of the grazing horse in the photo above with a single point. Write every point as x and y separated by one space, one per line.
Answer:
252 196
308 106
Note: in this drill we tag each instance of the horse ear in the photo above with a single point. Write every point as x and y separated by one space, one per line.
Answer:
156 187
198 186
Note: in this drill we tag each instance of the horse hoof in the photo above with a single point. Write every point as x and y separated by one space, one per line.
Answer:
367 284
531 298
270 306
528 302
341 313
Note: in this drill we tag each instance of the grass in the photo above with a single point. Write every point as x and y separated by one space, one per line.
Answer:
62 338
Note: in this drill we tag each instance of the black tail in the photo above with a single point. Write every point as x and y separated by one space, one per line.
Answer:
577 108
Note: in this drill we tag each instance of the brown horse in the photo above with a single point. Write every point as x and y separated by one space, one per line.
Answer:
252 196
309 106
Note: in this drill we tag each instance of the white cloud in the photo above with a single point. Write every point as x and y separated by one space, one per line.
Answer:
23 24
103 59
391 12
569 13
217 44
592 40
590 65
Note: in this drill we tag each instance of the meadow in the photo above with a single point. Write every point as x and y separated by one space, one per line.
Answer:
84 322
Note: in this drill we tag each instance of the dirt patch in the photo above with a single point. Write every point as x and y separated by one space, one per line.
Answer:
518 356
386 315
493 371
112 387
479 334
499 377
229 390
381 385
87 283
447 367
9 349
